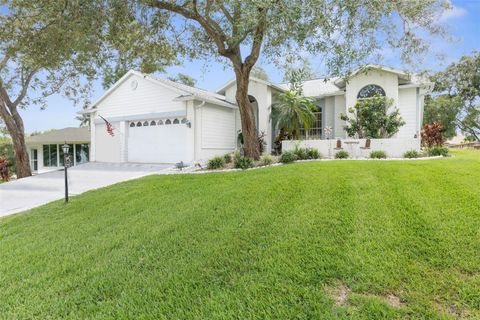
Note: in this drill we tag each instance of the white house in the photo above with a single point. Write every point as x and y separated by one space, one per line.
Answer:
45 150
160 121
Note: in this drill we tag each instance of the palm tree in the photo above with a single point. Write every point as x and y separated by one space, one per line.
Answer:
84 120
292 112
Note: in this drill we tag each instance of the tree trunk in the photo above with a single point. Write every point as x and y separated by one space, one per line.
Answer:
15 128
249 131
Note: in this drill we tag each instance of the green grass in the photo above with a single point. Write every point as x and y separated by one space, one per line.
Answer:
261 244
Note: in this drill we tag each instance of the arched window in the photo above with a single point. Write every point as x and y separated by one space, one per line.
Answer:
184 120
145 123
168 121
139 124
160 122
369 91
132 124
176 121
152 123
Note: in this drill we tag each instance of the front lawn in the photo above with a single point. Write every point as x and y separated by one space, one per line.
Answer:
324 240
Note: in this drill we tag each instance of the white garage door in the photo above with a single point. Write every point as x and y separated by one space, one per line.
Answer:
162 141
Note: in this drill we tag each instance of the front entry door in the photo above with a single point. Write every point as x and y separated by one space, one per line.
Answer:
34 159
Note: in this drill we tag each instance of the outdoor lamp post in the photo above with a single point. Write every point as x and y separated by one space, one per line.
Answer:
65 148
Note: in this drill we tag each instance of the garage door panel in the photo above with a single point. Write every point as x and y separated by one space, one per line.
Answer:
157 144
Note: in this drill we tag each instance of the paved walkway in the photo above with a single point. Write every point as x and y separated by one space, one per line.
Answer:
31 192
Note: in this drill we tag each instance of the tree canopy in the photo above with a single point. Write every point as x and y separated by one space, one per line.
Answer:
185 79
373 118
340 33
455 101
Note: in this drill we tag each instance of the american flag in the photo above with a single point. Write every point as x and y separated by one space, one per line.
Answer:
109 126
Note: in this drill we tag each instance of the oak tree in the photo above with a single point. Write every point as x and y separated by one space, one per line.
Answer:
341 33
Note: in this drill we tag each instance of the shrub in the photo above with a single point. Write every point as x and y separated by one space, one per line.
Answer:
243 163
432 135
288 157
266 160
300 153
371 118
378 154
6 150
342 154
261 141
4 174
216 163
438 151
227 158
411 154
236 155
313 153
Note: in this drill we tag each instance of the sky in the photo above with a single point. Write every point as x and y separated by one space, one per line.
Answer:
463 23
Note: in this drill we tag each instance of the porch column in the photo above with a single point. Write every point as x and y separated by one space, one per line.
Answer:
123 141
92 138
190 145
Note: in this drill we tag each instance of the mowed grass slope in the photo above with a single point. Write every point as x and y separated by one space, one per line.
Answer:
324 240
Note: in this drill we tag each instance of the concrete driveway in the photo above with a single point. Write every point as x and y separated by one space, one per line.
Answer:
31 192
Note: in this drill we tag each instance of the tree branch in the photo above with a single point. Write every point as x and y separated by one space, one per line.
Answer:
211 27
257 40
4 94
25 84
4 61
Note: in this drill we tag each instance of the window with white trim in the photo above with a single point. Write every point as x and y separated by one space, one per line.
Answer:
370 91
315 131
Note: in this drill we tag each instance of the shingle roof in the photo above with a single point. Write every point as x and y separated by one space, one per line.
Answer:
193 92
61 135
320 87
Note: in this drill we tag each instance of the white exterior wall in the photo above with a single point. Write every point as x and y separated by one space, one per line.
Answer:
108 148
340 107
148 97
263 94
409 111
215 131
329 114
388 81
395 148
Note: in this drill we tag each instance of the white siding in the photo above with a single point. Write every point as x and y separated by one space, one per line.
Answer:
408 110
218 125
148 97
216 132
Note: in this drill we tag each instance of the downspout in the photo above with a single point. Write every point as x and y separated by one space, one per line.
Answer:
195 138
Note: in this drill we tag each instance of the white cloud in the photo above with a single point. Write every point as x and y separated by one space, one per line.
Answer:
453 13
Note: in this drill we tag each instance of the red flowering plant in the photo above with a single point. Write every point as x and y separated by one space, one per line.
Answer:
432 135
4 174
